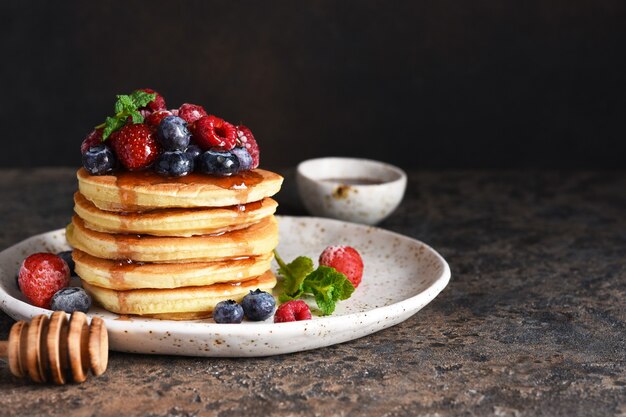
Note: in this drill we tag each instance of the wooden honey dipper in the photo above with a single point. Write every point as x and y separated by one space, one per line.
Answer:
55 349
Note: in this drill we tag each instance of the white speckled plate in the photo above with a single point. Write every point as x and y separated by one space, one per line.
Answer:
401 276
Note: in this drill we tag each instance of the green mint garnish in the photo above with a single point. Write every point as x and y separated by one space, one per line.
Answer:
126 106
325 284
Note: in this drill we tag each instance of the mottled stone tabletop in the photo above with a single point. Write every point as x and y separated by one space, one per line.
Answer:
533 322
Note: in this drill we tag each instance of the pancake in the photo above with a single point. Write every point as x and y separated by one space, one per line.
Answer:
147 190
258 239
179 303
174 222
122 275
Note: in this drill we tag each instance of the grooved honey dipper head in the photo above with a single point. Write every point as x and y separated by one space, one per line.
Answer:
57 350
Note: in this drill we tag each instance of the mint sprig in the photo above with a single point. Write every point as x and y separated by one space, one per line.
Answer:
126 106
325 284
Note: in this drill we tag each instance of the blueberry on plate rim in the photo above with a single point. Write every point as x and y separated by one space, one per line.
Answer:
70 299
228 311
258 305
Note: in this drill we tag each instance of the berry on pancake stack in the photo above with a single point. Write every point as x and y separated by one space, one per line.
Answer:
173 214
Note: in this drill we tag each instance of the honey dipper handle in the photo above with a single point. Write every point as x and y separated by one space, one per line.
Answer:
4 349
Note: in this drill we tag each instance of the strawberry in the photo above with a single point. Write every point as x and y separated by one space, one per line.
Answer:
213 132
136 146
294 310
155 118
92 139
346 260
191 112
41 276
157 104
246 139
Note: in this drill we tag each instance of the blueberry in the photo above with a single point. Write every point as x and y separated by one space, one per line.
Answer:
228 311
173 133
194 151
67 257
258 305
70 299
245 160
174 164
99 160
218 163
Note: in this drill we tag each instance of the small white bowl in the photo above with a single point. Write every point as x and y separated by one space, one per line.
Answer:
351 189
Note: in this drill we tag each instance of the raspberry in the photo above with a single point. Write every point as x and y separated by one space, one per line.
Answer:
92 139
158 103
136 146
41 276
191 112
246 139
213 132
155 118
346 260
294 310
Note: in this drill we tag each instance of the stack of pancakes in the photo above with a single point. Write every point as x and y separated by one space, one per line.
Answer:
172 248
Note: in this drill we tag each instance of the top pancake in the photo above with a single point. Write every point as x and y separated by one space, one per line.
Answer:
146 190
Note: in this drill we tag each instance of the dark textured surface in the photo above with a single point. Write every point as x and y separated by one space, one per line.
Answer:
532 324
504 84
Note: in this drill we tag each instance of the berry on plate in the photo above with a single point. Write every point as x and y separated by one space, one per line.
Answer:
191 112
174 164
67 257
70 299
153 119
136 146
246 139
294 310
158 103
213 132
258 305
41 276
173 134
228 311
218 163
346 260
99 160
92 139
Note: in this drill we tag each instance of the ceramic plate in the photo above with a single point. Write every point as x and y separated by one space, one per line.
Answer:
401 276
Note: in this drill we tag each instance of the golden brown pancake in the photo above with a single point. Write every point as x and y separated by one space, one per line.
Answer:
258 239
124 275
174 222
179 303
147 190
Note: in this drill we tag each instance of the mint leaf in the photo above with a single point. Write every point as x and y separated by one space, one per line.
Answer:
294 274
126 106
111 124
327 286
136 116
141 98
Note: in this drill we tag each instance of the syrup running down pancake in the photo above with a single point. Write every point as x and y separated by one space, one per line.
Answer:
128 275
178 303
258 239
174 222
146 190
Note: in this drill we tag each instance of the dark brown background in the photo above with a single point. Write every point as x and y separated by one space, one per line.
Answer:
438 84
